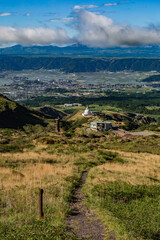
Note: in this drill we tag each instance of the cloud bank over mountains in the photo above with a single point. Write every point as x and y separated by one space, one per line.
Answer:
33 36
101 31
93 30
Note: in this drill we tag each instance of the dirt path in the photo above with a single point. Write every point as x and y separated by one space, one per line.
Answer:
83 221
123 133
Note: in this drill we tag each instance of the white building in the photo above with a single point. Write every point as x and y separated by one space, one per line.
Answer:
87 112
101 125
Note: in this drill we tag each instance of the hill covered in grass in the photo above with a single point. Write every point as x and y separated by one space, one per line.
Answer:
129 121
13 115
52 112
122 184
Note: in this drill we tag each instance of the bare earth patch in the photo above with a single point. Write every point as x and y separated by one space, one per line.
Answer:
83 221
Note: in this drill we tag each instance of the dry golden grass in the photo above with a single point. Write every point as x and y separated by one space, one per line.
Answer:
139 168
26 155
19 184
37 174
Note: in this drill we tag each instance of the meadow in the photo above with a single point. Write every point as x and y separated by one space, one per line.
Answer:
122 185
127 195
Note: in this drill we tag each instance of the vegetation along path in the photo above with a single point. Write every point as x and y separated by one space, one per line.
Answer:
83 221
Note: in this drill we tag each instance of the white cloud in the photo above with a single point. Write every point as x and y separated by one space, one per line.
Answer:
91 29
79 7
30 36
28 14
5 14
101 31
110 4
115 3
62 20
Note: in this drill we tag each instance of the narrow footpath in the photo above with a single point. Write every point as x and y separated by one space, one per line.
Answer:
83 221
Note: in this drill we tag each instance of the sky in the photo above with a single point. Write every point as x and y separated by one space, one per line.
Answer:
92 23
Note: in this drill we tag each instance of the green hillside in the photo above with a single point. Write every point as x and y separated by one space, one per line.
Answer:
78 64
13 115
52 112
121 173
114 116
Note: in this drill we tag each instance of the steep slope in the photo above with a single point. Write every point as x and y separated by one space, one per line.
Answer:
13 115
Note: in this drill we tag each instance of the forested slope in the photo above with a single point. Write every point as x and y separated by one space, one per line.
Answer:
70 64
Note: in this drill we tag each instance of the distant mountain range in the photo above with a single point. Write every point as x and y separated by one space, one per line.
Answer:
81 50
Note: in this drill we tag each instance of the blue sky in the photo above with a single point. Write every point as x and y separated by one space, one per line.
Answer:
64 22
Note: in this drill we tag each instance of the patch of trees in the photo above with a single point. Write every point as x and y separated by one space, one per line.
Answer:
129 103
154 78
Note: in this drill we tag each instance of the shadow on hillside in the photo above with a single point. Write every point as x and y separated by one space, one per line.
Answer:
18 118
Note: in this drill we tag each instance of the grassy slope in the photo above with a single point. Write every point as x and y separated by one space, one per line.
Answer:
52 112
6 104
51 163
127 195
41 158
13 115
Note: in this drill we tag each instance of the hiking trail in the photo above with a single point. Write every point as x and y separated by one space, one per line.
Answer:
83 221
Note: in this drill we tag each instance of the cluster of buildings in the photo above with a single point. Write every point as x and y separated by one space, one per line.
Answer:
27 84
72 105
98 125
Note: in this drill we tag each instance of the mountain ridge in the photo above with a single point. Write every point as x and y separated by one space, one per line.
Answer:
78 64
82 50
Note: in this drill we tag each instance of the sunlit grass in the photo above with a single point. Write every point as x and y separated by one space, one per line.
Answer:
139 168
24 173
55 161
126 195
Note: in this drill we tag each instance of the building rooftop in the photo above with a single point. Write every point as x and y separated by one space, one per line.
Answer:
101 121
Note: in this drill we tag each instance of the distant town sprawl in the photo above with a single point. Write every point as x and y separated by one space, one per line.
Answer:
22 85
